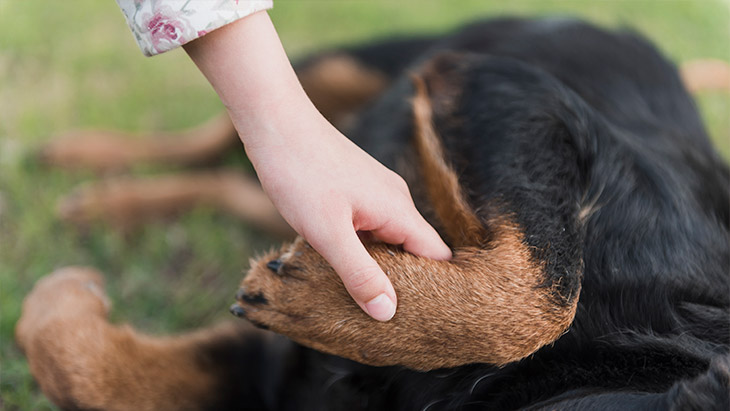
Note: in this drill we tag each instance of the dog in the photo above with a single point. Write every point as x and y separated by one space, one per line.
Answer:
566 166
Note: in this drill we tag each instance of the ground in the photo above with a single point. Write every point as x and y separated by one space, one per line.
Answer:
74 64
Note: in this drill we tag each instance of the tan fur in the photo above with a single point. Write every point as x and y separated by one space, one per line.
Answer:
127 203
110 150
80 360
461 224
338 85
706 75
482 306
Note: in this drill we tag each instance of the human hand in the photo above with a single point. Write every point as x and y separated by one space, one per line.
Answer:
328 189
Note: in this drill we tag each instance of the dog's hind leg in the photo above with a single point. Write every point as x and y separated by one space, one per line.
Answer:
81 361
338 85
126 203
104 150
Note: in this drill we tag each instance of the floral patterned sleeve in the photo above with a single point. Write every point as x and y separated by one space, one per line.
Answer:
162 25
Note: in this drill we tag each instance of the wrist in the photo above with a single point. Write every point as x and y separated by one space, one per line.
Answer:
257 84
287 121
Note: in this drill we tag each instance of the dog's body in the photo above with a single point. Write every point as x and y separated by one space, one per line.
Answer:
587 195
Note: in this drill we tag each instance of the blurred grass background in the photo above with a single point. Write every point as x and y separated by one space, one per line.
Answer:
74 64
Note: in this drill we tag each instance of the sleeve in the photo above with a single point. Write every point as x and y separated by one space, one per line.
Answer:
162 25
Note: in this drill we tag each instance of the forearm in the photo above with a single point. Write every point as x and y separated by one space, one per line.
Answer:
248 68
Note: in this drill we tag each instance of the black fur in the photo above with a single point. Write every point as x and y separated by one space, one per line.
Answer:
555 118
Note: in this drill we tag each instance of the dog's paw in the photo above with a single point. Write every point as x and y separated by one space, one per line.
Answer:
82 206
59 332
69 292
295 292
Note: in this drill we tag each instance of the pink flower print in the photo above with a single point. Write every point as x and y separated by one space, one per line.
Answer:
168 29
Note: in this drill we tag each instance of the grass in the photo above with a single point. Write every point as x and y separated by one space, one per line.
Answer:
73 64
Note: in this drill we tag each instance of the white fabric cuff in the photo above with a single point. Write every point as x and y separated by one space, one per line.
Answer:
162 25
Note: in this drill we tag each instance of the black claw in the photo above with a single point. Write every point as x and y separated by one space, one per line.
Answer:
255 299
237 310
274 265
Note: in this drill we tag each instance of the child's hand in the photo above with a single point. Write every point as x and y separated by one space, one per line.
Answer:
327 188
323 184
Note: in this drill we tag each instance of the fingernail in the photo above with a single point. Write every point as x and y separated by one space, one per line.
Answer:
381 308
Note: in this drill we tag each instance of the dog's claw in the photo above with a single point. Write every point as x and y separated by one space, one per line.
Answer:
274 265
255 299
237 310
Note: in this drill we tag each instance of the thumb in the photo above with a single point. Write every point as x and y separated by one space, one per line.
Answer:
363 278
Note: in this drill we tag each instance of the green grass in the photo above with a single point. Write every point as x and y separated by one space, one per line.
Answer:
73 64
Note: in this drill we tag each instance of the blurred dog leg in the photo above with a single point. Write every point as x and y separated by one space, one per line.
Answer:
338 85
104 150
126 203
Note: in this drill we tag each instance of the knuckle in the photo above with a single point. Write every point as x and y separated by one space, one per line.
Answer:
401 183
363 280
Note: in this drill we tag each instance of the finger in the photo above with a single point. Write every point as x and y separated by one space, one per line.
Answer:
417 237
363 278
424 241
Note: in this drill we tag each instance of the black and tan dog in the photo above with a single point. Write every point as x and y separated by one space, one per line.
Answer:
567 167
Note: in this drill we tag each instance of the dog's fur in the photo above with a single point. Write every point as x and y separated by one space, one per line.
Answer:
590 220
